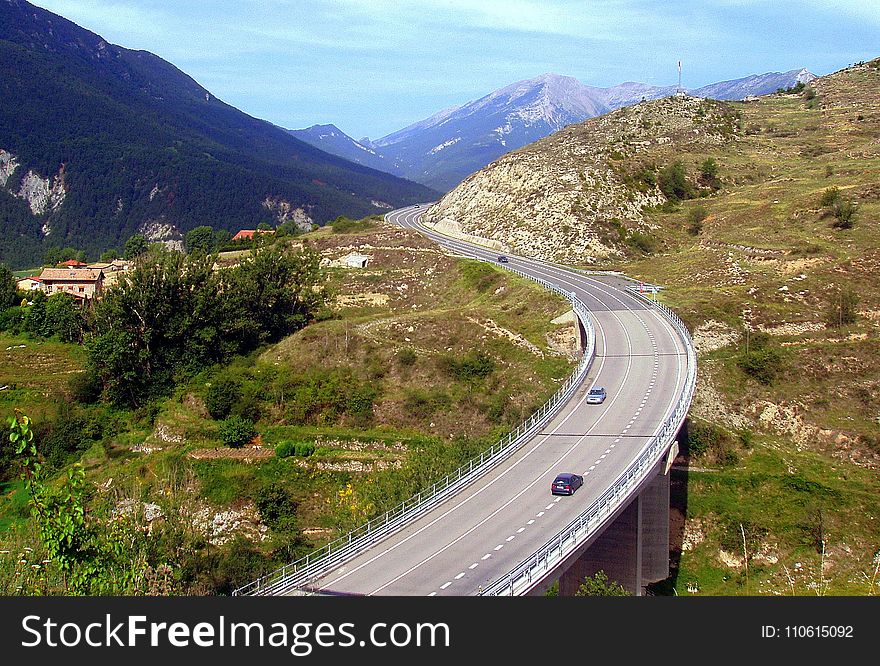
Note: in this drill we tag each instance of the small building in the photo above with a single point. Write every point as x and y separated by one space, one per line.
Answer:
78 282
100 266
247 234
355 260
32 283
119 265
72 263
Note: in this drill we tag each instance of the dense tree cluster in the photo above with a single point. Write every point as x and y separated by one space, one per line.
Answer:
172 315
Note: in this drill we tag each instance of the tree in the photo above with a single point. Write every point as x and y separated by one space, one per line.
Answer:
109 255
695 219
35 320
272 293
709 173
64 318
599 585
161 321
8 288
673 182
200 240
135 246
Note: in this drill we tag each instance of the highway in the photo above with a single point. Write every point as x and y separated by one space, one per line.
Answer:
480 533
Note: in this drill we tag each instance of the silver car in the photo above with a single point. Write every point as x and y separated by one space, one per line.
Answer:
596 396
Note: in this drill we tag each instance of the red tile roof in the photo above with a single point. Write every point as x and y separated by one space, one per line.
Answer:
249 233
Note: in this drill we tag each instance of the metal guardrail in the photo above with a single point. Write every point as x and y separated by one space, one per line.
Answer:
297 575
521 578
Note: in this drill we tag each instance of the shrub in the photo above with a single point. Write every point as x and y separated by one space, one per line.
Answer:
599 585
222 395
844 214
287 448
406 357
843 308
277 507
695 219
84 387
344 225
709 173
421 404
471 367
236 431
673 182
642 242
762 364
830 196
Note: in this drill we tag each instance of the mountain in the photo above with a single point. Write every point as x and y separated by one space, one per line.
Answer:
98 142
333 140
755 85
442 150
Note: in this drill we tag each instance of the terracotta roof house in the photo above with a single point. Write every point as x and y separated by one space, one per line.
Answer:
78 282
31 283
72 263
244 234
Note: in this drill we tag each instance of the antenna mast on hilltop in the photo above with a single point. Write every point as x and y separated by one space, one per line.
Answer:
679 92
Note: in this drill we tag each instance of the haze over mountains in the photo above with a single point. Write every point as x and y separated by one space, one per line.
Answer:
442 150
98 142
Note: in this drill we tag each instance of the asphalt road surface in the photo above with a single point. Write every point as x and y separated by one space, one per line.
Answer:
479 534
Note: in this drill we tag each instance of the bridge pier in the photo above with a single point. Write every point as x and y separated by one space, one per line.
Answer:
634 549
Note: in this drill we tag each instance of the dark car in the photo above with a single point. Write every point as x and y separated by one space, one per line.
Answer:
502 259
566 484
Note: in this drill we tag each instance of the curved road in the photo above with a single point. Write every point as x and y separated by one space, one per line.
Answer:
481 533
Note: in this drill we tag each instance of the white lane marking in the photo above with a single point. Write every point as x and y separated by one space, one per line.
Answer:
460 576
549 506
521 530
540 514
486 556
432 594
474 565
531 521
445 585
499 546
510 538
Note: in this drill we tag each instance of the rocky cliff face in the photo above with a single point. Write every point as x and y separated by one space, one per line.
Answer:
569 197
43 195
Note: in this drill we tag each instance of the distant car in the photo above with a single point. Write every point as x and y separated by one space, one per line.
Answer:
502 259
416 206
596 396
566 484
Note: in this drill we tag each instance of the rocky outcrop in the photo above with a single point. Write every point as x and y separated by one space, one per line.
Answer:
43 195
572 197
284 211
8 165
162 231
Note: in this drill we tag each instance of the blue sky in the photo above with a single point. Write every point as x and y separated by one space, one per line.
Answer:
374 66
